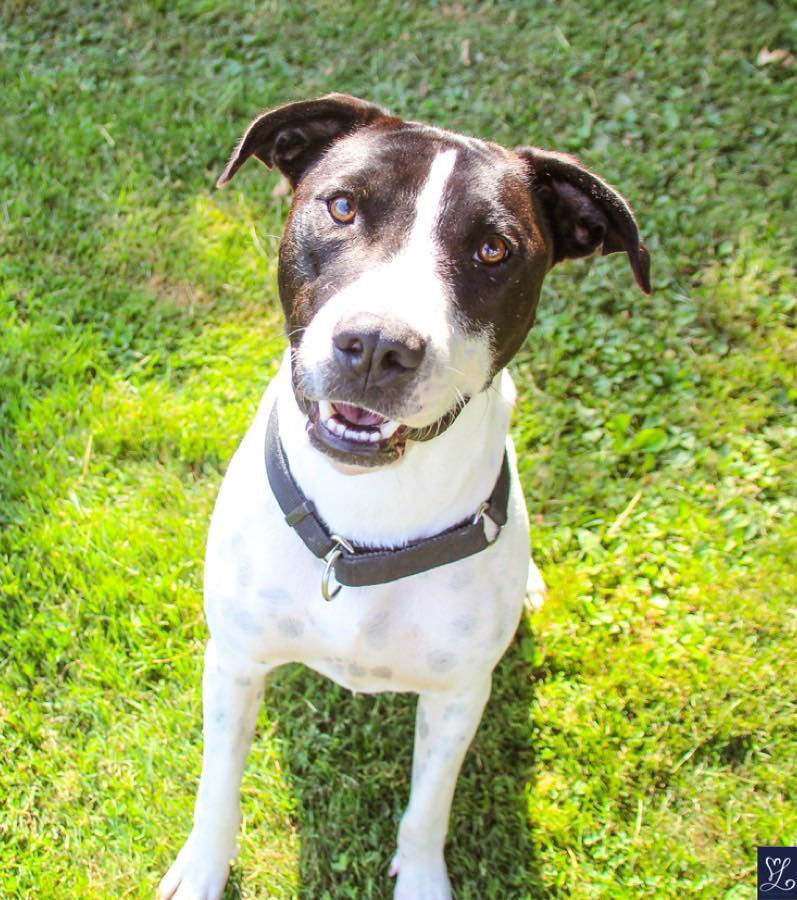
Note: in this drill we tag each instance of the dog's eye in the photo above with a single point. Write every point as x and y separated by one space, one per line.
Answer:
493 249
342 209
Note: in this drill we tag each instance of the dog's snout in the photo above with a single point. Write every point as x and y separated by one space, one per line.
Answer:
376 357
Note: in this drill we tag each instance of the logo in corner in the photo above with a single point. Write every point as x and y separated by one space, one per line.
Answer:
777 873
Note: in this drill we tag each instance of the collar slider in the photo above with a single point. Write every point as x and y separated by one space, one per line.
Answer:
300 512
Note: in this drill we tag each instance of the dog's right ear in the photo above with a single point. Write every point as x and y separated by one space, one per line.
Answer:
292 137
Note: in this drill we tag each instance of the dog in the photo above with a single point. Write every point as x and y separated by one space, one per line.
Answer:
371 524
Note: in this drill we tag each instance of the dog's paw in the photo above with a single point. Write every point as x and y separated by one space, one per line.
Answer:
198 873
535 588
420 879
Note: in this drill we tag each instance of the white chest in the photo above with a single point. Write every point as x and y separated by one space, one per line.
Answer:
262 585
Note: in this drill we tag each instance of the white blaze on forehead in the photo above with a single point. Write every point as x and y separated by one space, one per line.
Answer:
430 199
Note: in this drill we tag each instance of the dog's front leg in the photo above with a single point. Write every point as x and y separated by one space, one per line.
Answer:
231 695
444 727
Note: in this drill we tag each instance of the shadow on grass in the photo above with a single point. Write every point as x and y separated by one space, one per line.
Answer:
348 759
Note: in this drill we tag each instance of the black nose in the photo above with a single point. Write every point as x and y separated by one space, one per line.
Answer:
376 357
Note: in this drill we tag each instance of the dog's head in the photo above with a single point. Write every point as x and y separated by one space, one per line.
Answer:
412 262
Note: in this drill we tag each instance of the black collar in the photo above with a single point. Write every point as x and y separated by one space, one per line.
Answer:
360 566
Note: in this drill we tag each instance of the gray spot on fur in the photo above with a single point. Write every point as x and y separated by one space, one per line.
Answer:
242 681
441 661
244 574
499 632
290 627
246 621
357 670
423 725
382 672
463 626
237 545
375 630
273 597
452 710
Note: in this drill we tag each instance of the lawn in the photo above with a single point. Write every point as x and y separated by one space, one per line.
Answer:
642 737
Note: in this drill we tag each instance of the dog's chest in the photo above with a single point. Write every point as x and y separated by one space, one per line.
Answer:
409 636
263 599
415 634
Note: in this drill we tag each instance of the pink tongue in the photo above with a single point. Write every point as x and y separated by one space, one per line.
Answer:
357 415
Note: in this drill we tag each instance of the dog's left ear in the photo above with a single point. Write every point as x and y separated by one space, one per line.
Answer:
292 137
583 212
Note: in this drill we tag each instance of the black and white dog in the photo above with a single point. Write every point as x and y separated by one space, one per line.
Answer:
378 466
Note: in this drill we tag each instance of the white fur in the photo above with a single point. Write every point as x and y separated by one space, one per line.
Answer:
438 633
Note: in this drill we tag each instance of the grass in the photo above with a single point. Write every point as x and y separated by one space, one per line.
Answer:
642 739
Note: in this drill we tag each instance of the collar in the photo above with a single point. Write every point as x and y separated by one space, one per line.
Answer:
357 566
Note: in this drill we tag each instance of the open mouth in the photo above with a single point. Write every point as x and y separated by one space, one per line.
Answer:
356 424
354 434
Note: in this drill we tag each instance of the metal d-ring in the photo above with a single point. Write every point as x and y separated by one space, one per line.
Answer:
480 512
481 515
331 558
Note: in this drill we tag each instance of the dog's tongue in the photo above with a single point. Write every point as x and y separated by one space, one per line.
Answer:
359 416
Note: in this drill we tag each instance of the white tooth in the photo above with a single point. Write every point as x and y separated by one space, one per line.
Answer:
324 410
336 427
374 436
388 429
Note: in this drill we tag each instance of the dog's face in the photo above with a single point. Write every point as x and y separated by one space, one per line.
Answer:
412 262
410 271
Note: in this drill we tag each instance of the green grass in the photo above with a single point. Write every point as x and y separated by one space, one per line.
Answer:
642 738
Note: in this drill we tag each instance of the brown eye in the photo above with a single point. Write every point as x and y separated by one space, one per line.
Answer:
493 249
342 209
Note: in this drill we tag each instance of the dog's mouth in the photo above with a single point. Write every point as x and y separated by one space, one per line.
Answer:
355 435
